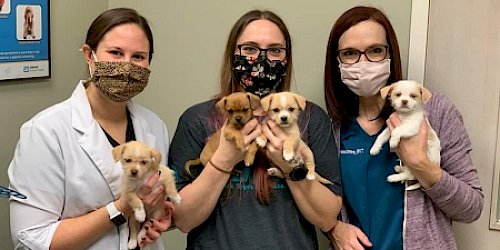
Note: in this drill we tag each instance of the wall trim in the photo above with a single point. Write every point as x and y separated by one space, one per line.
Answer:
419 23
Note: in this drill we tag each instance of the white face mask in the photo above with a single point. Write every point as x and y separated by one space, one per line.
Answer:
365 78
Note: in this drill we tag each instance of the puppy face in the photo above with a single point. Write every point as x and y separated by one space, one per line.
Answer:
406 96
137 159
284 107
239 107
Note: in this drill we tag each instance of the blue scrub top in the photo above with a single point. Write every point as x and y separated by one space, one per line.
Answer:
373 204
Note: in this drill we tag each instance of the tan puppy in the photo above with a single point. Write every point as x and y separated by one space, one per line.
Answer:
284 109
139 163
238 107
407 98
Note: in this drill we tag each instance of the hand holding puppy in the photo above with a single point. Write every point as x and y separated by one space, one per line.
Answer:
274 148
227 154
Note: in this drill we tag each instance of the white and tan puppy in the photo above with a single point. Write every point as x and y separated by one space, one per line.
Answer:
139 163
284 109
407 98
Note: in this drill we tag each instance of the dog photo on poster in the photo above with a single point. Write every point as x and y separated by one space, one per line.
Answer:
25 39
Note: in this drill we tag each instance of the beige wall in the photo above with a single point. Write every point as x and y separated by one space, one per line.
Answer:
189 40
463 62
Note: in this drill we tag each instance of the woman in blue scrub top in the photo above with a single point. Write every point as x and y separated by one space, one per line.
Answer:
362 57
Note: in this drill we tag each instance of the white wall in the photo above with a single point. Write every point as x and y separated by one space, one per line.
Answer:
463 62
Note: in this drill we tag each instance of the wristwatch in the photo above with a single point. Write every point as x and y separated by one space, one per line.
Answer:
298 173
114 215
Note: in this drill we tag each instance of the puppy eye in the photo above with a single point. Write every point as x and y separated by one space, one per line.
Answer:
143 162
291 109
127 160
276 110
398 94
413 96
245 110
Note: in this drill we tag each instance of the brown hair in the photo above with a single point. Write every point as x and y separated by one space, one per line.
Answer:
112 18
228 84
341 102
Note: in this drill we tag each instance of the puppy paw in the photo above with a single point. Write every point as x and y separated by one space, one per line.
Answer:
274 172
248 162
399 169
311 176
288 155
393 142
395 178
132 243
413 187
262 142
375 150
176 199
140 214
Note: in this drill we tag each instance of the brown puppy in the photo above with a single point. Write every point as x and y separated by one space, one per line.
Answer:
284 109
238 107
139 163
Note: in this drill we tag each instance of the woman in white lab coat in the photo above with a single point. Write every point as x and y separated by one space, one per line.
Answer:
63 161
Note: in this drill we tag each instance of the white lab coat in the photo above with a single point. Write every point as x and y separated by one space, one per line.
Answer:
63 164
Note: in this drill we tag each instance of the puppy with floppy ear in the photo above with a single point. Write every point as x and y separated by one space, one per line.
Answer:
407 98
284 109
238 107
139 163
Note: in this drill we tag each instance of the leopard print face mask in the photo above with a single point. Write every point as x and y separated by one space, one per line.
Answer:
119 81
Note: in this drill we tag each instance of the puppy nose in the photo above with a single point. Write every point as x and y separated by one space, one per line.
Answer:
404 102
283 118
237 119
134 172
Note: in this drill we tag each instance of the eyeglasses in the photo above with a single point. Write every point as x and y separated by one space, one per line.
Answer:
373 54
7 193
272 54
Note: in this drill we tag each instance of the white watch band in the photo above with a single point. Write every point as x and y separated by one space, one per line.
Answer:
112 210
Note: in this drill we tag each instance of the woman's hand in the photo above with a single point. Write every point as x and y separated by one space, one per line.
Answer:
414 149
227 154
274 146
154 228
413 153
345 236
151 197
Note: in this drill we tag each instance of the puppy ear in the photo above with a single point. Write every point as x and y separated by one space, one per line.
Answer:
221 105
155 156
426 94
254 101
118 151
300 100
266 102
385 91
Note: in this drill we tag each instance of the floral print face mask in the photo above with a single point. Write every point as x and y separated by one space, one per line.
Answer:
260 76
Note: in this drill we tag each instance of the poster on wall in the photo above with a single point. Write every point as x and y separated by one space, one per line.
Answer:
24 39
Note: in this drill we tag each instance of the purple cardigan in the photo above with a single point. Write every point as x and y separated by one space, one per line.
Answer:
456 197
